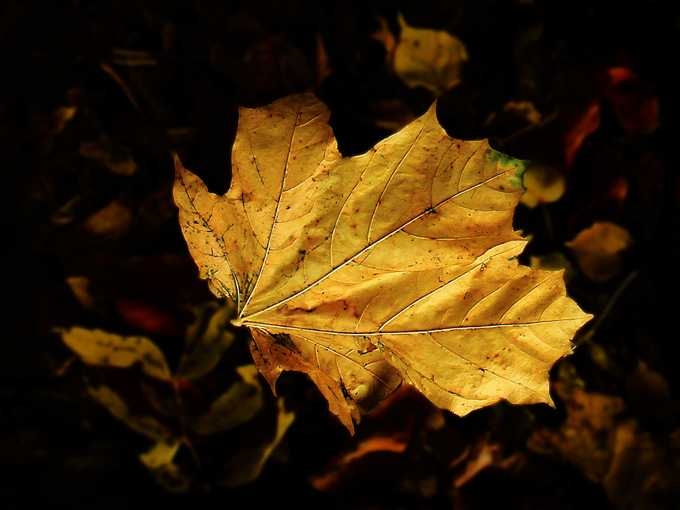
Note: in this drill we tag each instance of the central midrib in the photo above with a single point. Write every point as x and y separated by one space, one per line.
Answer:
368 247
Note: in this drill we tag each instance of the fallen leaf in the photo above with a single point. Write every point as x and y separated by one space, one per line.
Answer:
384 36
247 465
388 431
159 461
637 471
335 481
554 261
524 110
597 250
580 125
80 287
635 107
363 271
543 184
428 58
207 339
55 124
112 221
141 423
161 453
97 347
649 396
323 64
585 437
105 152
241 402
479 456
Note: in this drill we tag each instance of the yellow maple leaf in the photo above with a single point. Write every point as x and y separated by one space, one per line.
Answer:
398 264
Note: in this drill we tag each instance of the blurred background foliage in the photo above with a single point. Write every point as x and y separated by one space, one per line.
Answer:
97 95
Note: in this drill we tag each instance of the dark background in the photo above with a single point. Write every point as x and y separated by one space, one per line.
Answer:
203 60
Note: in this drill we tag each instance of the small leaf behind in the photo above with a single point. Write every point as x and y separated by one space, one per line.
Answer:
96 347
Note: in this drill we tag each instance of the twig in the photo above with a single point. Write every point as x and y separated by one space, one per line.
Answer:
107 69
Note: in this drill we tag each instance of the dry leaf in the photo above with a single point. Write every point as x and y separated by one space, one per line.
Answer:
384 36
105 152
388 431
141 423
482 454
159 461
581 125
543 184
206 341
80 287
428 58
635 107
586 436
112 221
97 347
241 402
554 261
246 465
160 454
637 471
524 110
649 395
597 250
363 271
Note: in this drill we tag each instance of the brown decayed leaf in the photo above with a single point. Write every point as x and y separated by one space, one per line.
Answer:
388 431
636 471
112 221
105 152
396 264
649 395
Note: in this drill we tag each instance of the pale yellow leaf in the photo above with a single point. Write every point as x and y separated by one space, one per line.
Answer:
159 461
543 184
396 264
160 453
240 403
143 424
96 347
247 465
428 58
207 339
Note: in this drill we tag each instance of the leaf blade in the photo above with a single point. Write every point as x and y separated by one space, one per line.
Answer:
408 253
